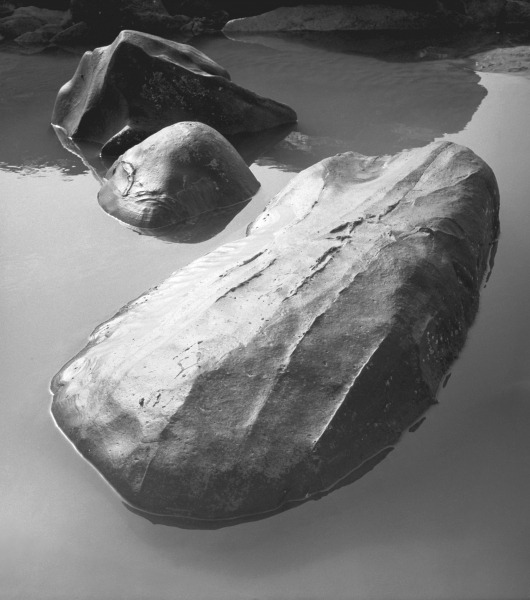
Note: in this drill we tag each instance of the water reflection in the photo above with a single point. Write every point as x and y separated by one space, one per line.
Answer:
27 94
346 90
446 515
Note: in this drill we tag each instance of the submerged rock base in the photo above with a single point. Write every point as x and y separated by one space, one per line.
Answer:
288 363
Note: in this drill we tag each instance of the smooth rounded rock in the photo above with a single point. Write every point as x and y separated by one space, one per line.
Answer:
286 364
181 172
145 83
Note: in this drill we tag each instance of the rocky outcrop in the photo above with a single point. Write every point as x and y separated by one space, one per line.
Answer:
504 60
325 17
446 13
288 363
144 83
517 13
112 16
28 19
365 15
181 172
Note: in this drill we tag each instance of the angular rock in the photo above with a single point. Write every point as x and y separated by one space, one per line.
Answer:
146 83
181 172
286 364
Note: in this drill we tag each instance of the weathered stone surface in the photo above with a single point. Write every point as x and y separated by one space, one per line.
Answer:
39 37
327 17
504 60
517 12
147 83
16 25
76 34
181 172
289 15
28 19
286 364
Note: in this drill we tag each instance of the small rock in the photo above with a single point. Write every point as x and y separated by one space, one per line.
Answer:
181 172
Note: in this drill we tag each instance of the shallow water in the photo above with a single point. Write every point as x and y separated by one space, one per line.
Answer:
444 516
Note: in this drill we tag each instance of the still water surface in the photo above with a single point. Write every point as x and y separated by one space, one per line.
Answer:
444 516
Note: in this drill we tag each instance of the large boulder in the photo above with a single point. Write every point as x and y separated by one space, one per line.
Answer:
181 172
288 363
142 83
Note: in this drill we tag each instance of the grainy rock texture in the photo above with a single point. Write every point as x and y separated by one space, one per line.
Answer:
478 10
28 19
505 60
286 364
181 172
363 15
145 83
327 17
112 16
517 12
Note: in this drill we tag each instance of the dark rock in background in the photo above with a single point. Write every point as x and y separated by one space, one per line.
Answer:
181 172
286 364
27 19
112 16
147 83
483 13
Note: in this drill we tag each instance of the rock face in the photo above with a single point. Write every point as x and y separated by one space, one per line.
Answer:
287 364
289 15
473 12
111 16
28 19
181 172
327 17
517 12
145 83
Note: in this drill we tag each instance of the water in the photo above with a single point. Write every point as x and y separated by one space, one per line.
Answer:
444 516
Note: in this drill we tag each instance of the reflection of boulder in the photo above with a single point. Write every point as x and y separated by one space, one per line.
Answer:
298 151
365 100
286 364
146 83
178 173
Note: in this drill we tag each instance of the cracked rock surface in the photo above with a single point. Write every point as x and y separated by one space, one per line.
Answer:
288 363
142 83
180 172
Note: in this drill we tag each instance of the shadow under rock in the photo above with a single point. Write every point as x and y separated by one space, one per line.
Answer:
196 230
